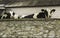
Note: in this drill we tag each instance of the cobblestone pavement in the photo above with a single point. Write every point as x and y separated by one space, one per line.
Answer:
30 29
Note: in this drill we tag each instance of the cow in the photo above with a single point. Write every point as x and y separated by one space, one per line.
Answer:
37 15
43 14
9 15
6 16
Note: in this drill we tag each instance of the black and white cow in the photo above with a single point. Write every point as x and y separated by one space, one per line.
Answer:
9 15
35 15
43 14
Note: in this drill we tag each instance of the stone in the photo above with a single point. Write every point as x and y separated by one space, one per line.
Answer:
51 34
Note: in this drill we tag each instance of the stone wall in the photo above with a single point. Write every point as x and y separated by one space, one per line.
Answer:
30 28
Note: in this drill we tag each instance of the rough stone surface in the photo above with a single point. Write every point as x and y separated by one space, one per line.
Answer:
30 29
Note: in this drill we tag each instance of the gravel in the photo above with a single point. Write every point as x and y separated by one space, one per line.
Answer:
29 29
